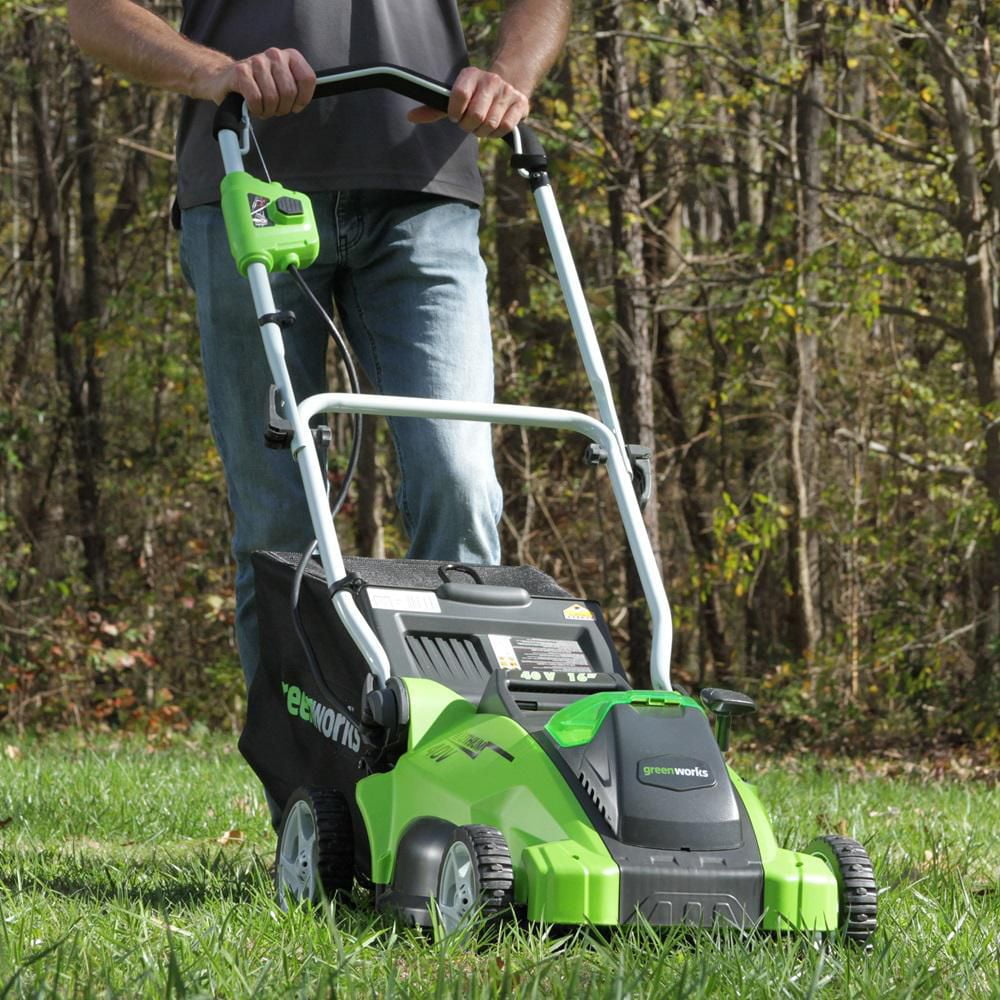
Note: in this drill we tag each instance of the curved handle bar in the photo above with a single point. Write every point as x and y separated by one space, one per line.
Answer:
408 83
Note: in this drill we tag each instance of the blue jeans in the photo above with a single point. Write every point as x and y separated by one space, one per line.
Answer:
405 273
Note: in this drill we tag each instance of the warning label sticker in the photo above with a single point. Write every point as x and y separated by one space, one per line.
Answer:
387 599
518 652
258 211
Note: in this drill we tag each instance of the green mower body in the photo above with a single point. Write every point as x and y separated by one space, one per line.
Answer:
508 755
617 824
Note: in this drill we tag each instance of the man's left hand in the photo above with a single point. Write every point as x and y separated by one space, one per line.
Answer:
481 102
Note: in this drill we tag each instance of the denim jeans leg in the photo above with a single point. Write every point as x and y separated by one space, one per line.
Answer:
410 287
413 301
264 486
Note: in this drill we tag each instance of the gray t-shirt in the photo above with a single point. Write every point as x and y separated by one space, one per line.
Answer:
360 140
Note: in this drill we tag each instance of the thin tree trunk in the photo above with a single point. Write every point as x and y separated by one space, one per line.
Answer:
980 281
369 523
803 446
75 314
697 519
633 312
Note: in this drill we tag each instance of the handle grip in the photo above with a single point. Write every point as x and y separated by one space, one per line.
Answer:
228 115
407 82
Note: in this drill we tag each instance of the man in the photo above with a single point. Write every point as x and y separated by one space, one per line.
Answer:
395 190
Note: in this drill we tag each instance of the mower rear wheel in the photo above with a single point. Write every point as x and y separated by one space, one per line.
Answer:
476 875
856 886
315 855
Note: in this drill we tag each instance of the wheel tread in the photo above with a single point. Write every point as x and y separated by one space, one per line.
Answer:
858 890
494 868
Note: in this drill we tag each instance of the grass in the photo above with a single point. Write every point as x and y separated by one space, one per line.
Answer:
133 871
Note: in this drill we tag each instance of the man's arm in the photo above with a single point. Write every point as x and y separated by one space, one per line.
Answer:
491 102
140 45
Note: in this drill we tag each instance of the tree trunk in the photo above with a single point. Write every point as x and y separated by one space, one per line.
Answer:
632 307
664 263
697 519
981 275
369 529
75 314
803 445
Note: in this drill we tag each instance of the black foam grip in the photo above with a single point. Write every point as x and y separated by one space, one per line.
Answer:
419 89
229 115
414 89
530 144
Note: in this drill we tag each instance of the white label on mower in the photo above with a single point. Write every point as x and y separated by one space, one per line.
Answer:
387 599
503 650
518 652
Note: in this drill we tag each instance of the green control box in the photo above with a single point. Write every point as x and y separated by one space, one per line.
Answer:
268 224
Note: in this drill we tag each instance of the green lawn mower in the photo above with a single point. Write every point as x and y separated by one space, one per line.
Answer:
463 739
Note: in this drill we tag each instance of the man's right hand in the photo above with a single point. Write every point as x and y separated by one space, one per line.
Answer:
273 82
140 45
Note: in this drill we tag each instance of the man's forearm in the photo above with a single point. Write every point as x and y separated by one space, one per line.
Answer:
530 37
140 45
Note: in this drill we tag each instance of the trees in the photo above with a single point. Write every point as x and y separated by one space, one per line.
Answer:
955 40
786 217
100 463
634 320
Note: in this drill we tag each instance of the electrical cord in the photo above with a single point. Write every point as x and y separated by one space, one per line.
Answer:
352 464
338 502
352 379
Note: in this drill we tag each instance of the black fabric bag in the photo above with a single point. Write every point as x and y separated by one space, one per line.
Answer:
294 735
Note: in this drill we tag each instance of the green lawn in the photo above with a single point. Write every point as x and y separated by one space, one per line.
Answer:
127 871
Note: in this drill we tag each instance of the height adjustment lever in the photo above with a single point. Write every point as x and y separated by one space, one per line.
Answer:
641 460
725 705
279 432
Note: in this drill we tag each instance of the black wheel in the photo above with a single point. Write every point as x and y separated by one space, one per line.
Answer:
856 887
315 855
476 875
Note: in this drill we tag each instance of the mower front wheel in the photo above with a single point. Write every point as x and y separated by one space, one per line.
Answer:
315 855
476 875
856 887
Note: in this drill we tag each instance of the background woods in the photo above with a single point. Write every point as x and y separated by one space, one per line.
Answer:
786 216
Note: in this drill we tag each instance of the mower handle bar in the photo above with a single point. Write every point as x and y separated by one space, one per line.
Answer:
528 152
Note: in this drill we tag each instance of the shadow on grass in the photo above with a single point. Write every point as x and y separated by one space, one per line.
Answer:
158 882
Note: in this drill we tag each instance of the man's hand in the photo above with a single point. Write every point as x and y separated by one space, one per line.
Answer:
273 82
139 44
490 103
481 102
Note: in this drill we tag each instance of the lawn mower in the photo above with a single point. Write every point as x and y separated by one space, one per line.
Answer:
464 739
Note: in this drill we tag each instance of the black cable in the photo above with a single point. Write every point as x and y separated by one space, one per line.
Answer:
352 379
352 465
300 631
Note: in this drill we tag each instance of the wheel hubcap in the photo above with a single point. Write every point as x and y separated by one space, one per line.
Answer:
297 856
457 887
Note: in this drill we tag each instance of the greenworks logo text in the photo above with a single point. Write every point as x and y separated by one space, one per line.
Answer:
335 726
684 772
679 774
